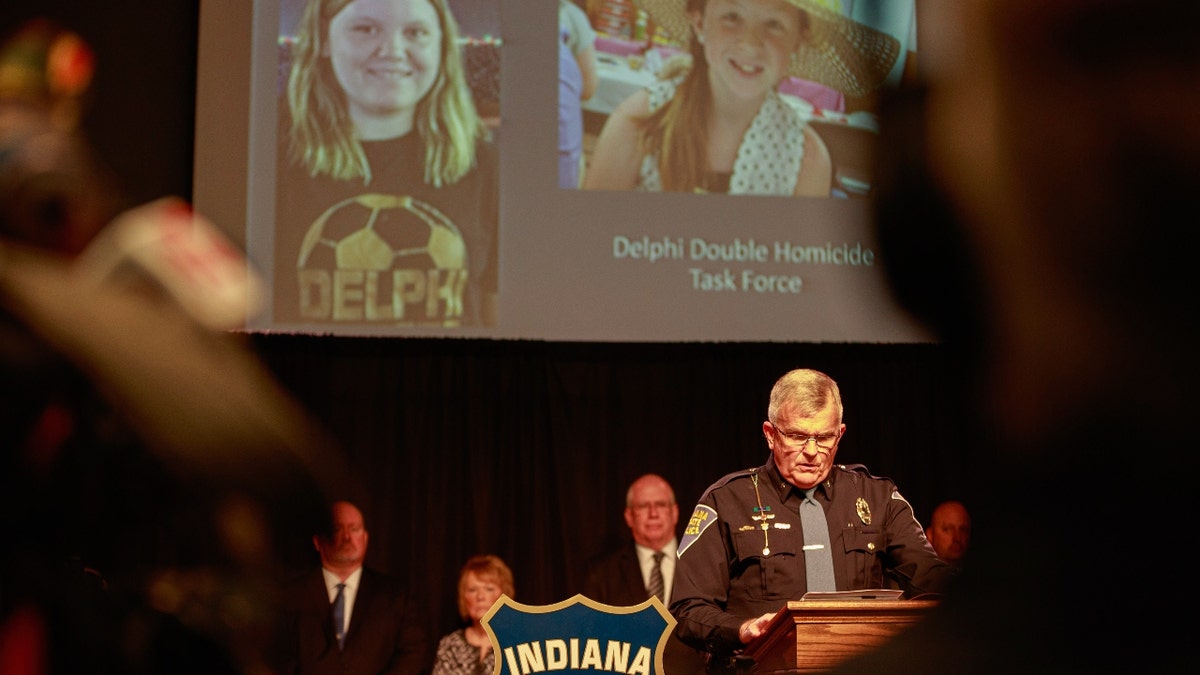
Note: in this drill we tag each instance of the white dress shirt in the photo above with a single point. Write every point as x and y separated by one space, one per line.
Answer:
349 593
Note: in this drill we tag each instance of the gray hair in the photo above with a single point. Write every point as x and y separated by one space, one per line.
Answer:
807 390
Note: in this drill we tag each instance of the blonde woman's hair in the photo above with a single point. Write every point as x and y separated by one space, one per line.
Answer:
321 135
485 567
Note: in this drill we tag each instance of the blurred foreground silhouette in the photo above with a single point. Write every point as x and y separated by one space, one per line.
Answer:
153 474
1036 201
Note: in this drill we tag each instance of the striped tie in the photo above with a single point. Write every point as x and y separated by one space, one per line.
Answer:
657 586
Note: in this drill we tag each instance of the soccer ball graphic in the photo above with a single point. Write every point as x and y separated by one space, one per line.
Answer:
379 257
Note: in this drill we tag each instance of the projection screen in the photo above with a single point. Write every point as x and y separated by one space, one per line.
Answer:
530 259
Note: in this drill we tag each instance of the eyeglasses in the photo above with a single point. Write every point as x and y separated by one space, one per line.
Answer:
823 441
645 507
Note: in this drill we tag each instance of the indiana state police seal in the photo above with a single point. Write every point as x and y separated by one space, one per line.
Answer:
578 635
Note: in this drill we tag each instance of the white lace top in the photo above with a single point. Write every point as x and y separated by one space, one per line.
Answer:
768 159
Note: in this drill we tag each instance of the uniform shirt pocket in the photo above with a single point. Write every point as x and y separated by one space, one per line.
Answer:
775 575
862 548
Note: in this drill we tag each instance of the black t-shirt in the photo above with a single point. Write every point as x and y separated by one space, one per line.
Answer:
396 252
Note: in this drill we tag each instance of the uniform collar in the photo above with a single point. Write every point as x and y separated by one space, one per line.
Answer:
784 489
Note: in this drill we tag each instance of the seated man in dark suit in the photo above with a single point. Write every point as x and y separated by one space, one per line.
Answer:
380 630
628 575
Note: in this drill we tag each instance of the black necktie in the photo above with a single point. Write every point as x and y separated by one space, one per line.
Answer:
657 586
339 616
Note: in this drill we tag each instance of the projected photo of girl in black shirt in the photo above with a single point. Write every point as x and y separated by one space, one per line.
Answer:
387 185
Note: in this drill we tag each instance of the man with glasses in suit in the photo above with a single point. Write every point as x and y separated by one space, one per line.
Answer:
630 574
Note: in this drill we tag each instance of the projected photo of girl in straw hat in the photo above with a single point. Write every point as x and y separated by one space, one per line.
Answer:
713 120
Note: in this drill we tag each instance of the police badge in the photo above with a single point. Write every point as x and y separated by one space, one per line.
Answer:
864 511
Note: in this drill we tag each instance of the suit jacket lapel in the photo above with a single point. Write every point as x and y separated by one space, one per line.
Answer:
632 573
318 606
362 605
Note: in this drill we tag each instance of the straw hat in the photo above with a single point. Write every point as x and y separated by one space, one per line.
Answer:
841 53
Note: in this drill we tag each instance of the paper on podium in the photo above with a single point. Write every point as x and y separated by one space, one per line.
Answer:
858 594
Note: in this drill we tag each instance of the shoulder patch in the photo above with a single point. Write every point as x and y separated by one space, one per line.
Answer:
703 517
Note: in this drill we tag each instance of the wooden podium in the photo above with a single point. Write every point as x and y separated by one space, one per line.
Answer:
813 635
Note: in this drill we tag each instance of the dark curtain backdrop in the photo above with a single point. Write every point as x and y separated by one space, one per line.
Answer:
525 449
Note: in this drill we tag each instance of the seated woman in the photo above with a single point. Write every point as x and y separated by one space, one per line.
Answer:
468 650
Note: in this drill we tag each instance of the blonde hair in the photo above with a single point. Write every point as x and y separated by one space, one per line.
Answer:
321 135
677 133
485 567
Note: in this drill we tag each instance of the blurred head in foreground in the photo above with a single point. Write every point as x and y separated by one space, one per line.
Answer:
1035 207
150 466
1057 150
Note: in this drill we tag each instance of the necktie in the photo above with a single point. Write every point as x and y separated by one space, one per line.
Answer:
818 561
339 616
657 586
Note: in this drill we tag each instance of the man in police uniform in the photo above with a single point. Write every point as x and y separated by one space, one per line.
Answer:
743 553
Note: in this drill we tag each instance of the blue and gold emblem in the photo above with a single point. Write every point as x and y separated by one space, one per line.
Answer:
578 635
